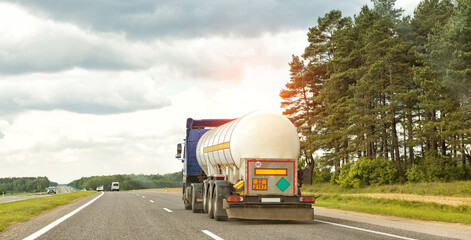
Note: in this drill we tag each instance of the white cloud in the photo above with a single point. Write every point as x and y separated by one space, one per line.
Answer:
81 91
38 44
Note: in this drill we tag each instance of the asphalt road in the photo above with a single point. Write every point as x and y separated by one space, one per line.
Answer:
154 215
20 197
61 189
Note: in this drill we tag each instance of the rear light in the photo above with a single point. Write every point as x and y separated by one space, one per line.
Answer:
199 196
307 199
235 199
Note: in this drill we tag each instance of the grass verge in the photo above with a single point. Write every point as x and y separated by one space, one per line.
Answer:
450 189
399 208
23 210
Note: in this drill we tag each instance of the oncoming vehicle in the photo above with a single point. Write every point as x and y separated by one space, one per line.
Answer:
115 186
51 190
99 188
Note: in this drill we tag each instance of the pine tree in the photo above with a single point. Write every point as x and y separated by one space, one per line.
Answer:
450 56
320 53
299 106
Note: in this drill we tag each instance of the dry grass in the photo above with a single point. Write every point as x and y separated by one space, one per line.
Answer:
400 208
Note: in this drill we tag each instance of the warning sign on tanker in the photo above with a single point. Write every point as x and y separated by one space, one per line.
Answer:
259 184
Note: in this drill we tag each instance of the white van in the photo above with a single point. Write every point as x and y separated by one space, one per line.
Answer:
115 186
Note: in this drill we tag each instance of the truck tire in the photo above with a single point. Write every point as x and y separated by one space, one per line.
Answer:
219 213
205 196
185 201
211 201
195 191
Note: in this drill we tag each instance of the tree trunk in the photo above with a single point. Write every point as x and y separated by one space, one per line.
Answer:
411 136
307 175
404 144
396 145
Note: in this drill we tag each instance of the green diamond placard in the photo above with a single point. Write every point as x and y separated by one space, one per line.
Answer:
282 184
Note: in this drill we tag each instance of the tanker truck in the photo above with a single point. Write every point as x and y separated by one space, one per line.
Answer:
244 168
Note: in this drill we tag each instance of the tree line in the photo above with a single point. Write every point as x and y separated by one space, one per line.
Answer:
24 184
130 181
385 91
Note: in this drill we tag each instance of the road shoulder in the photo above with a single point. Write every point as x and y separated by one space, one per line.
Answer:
450 230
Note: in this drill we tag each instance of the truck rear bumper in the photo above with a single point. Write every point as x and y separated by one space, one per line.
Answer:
297 214
260 211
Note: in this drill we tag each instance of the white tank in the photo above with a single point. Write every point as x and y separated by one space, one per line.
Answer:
258 135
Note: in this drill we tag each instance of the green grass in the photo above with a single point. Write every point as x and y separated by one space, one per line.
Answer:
399 208
451 189
21 211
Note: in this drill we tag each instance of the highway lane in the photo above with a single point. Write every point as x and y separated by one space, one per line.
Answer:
20 197
61 189
154 215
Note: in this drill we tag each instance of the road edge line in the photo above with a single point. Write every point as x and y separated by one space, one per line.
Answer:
365 230
216 237
58 221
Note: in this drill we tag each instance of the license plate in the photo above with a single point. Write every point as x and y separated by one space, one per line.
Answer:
259 184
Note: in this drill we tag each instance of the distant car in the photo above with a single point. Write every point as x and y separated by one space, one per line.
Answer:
115 186
99 188
51 190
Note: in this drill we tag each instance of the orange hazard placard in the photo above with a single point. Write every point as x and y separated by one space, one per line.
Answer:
259 184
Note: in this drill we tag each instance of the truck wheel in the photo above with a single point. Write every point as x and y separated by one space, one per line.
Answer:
193 200
219 213
211 202
185 201
205 197
187 205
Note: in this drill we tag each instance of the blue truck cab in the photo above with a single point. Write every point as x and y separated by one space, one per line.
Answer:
186 152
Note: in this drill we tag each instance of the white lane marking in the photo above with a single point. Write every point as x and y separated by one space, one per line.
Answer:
168 210
212 235
366 230
151 201
58 221
143 196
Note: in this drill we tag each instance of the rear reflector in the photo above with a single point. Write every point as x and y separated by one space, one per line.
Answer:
307 199
271 171
234 199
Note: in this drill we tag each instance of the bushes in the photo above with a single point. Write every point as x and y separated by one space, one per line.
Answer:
380 171
435 169
321 175
415 174
366 172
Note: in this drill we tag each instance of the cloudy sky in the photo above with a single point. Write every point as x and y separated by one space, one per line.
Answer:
102 87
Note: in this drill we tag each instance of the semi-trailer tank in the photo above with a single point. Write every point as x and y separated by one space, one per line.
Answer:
243 168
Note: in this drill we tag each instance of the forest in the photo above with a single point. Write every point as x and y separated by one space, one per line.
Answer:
130 181
25 184
381 97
